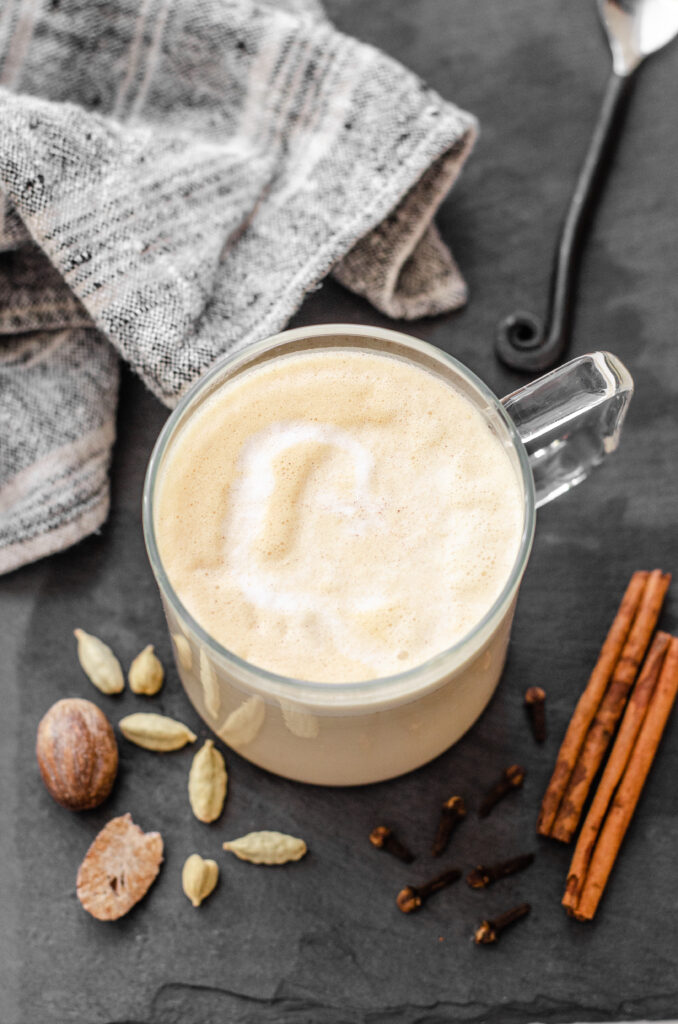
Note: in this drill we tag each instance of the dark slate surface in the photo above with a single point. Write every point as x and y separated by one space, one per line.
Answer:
321 942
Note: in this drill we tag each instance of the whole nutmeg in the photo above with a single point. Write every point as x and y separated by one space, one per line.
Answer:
77 754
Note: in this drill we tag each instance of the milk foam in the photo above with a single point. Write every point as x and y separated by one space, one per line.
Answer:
338 515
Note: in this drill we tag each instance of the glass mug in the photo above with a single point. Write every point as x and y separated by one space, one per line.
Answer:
554 430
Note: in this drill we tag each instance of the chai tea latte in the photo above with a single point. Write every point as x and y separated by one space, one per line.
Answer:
337 515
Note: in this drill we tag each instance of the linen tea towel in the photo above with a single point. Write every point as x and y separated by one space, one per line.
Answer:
175 176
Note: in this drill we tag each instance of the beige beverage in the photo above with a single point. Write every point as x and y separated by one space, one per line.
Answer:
338 515
338 519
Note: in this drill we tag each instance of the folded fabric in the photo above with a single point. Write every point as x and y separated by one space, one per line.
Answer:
175 176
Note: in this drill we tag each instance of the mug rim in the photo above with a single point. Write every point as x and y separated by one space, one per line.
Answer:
282 683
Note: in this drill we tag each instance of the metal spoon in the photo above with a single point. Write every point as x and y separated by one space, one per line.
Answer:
635 29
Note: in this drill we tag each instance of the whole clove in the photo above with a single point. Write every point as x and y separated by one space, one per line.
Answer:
535 699
452 812
512 778
385 839
412 897
489 931
484 875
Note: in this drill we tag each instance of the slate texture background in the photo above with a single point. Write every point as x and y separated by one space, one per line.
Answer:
321 942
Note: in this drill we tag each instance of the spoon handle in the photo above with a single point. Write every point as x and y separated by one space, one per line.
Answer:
522 341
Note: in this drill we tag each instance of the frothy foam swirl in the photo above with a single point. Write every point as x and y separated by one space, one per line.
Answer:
291 592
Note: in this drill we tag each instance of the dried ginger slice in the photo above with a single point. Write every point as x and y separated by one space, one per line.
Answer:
119 868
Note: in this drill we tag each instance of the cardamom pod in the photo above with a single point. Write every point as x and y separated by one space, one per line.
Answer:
156 732
243 724
183 651
146 673
267 847
210 685
99 663
198 878
300 723
207 781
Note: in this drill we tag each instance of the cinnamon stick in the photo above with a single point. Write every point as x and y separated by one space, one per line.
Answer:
614 769
630 787
611 707
589 702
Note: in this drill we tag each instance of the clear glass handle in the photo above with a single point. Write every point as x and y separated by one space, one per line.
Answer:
570 419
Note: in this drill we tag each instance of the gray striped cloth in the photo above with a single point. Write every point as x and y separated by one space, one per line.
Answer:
175 176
